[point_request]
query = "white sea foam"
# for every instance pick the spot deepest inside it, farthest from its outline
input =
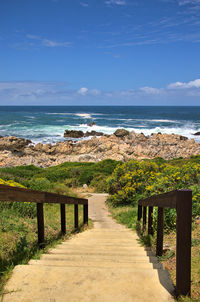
(31, 117)
(149, 120)
(144, 120)
(164, 121)
(84, 115)
(188, 132)
(59, 113)
(54, 133)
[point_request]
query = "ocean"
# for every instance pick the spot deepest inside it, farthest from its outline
(47, 124)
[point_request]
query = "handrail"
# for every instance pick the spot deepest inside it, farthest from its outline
(15, 194)
(181, 200)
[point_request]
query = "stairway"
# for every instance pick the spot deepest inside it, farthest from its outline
(104, 264)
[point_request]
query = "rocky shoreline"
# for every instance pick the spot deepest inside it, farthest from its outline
(122, 145)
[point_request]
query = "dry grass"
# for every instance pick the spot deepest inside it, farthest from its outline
(170, 264)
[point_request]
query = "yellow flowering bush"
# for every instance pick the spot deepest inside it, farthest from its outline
(11, 183)
(23, 208)
(135, 180)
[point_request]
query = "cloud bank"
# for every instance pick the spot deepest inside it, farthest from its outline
(58, 93)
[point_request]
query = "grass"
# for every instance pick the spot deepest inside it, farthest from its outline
(18, 236)
(124, 214)
(170, 262)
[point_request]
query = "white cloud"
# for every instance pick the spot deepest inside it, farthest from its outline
(95, 92)
(114, 55)
(151, 90)
(33, 37)
(84, 4)
(187, 85)
(83, 91)
(29, 91)
(47, 42)
(129, 93)
(185, 2)
(50, 43)
(115, 2)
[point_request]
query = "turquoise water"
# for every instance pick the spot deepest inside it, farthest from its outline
(47, 124)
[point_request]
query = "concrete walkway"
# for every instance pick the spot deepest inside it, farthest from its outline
(104, 264)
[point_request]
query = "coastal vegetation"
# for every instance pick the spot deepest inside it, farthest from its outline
(135, 180)
(126, 183)
(18, 229)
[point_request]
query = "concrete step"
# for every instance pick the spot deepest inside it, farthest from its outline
(98, 257)
(102, 243)
(104, 264)
(61, 284)
(102, 249)
(88, 252)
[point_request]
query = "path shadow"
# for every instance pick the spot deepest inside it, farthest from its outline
(163, 274)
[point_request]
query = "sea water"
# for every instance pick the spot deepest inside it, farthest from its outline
(47, 124)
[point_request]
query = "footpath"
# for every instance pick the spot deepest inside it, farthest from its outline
(103, 264)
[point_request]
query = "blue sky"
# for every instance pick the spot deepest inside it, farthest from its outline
(100, 52)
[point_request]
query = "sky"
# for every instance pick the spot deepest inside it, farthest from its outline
(100, 52)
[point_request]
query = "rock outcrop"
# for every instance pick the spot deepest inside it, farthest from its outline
(80, 134)
(17, 151)
(121, 132)
(93, 133)
(73, 133)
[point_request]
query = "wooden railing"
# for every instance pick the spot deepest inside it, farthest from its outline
(181, 200)
(11, 194)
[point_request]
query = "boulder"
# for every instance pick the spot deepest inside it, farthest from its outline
(74, 133)
(121, 132)
(91, 124)
(13, 144)
(197, 133)
(39, 147)
(184, 138)
(93, 133)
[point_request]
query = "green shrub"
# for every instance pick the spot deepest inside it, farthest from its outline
(40, 184)
(136, 180)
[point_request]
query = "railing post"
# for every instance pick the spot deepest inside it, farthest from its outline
(183, 242)
(150, 221)
(40, 224)
(85, 214)
(76, 216)
(63, 218)
(160, 225)
(144, 218)
(139, 213)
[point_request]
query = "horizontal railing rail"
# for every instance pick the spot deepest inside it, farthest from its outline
(181, 200)
(15, 194)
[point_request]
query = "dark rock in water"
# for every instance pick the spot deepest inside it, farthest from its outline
(183, 138)
(91, 124)
(74, 133)
(121, 132)
(93, 133)
(197, 133)
(80, 134)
